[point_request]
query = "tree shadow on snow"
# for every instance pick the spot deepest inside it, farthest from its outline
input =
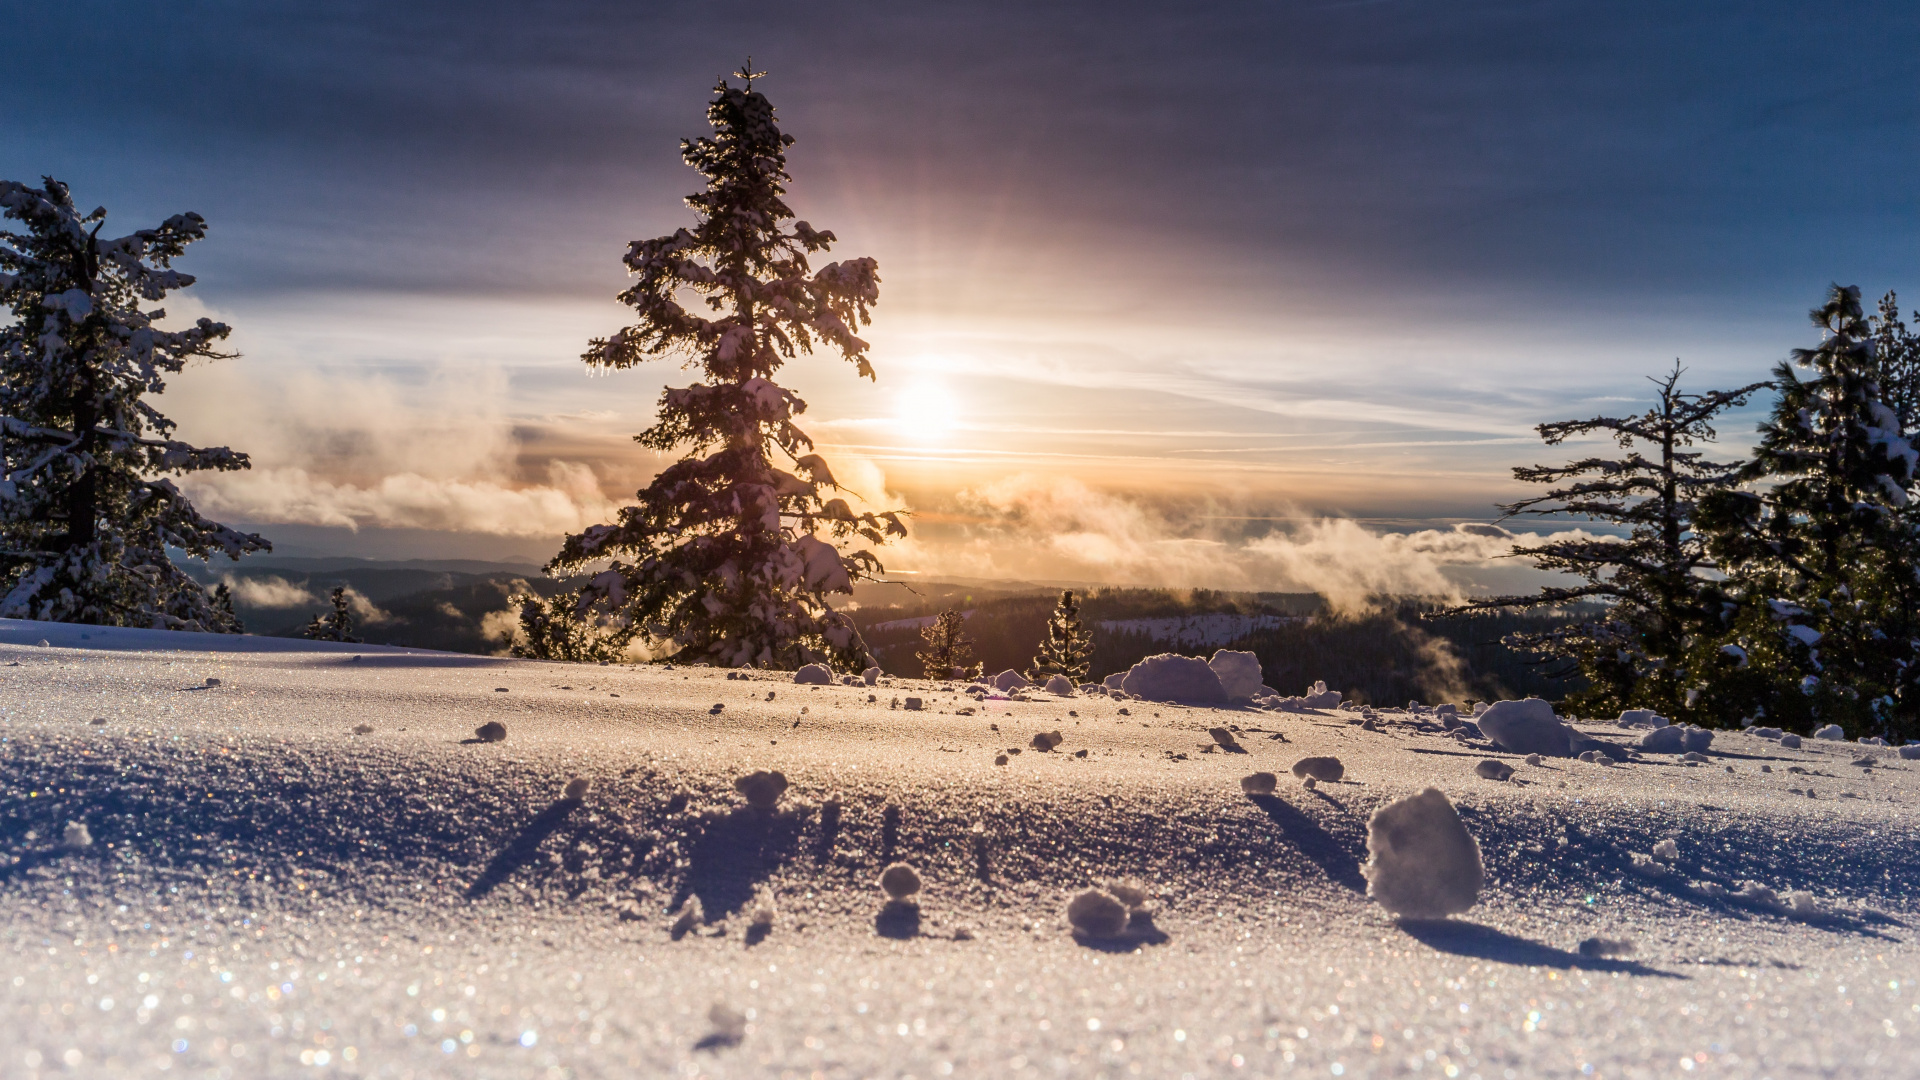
(1316, 843)
(736, 852)
(522, 848)
(1485, 943)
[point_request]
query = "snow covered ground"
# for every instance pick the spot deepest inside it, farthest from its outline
(267, 892)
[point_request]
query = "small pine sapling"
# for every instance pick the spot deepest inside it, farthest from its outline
(949, 651)
(89, 514)
(723, 561)
(336, 625)
(1068, 648)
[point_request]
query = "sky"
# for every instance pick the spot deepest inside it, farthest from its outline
(1243, 295)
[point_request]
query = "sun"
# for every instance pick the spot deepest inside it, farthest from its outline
(924, 412)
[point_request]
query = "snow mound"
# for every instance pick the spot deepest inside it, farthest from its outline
(1791, 742)
(1642, 718)
(1526, 727)
(1911, 752)
(1319, 697)
(1320, 768)
(1171, 677)
(814, 675)
(1684, 738)
(1097, 914)
(899, 881)
(1260, 783)
(577, 789)
(1239, 673)
(870, 676)
(491, 731)
(1421, 861)
(1832, 733)
(1060, 686)
(1113, 681)
(1010, 680)
(762, 789)
(1493, 770)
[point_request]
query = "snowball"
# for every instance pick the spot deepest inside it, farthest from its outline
(1696, 739)
(1493, 770)
(1131, 893)
(1224, 738)
(762, 789)
(1320, 768)
(870, 676)
(814, 674)
(1009, 680)
(1667, 850)
(1238, 672)
(1097, 914)
(1171, 677)
(1791, 742)
(1260, 783)
(1421, 861)
(729, 1024)
(899, 881)
(1060, 686)
(577, 788)
(1047, 740)
(1526, 727)
(1596, 947)
(1535, 759)
(1831, 732)
(76, 836)
(1480, 707)
(491, 731)
(912, 704)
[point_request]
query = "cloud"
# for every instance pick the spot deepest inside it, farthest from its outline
(568, 502)
(1054, 527)
(268, 592)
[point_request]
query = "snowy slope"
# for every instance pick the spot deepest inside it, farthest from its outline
(268, 893)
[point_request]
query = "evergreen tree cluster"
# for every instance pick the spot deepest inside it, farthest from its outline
(1783, 589)
(335, 625)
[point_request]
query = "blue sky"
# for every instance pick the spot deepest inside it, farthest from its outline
(1225, 266)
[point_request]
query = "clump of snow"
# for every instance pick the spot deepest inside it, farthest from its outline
(1832, 733)
(1171, 677)
(1911, 752)
(1526, 727)
(899, 881)
(1010, 680)
(1667, 850)
(1597, 947)
(1097, 914)
(1479, 708)
(1319, 697)
(1421, 861)
(1766, 732)
(1129, 892)
(913, 704)
(358, 729)
(491, 731)
(1046, 741)
(729, 1025)
(1696, 757)
(1493, 770)
(1535, 759)
(1642, 718)
(999, 759)
(814, 675)
(1239, 673)
(76, 836)
(760, 922)
(691, 916)
(1802, 905)
(1683, 738)
(1309, 783)
(1260, 783)
(870, 676)
(1791, 742)
(1060, 686)
(1320, 768)
(1225, 740)
(1113, 681)
(762, 789)
(577, 789)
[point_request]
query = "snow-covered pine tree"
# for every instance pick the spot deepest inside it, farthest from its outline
(1896, 363)
(87, 512)
(336, 625)
(727, 564)
(554, 629)
(949, 651)
(1821, 549)
(1655, 584)
(1068, 648)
